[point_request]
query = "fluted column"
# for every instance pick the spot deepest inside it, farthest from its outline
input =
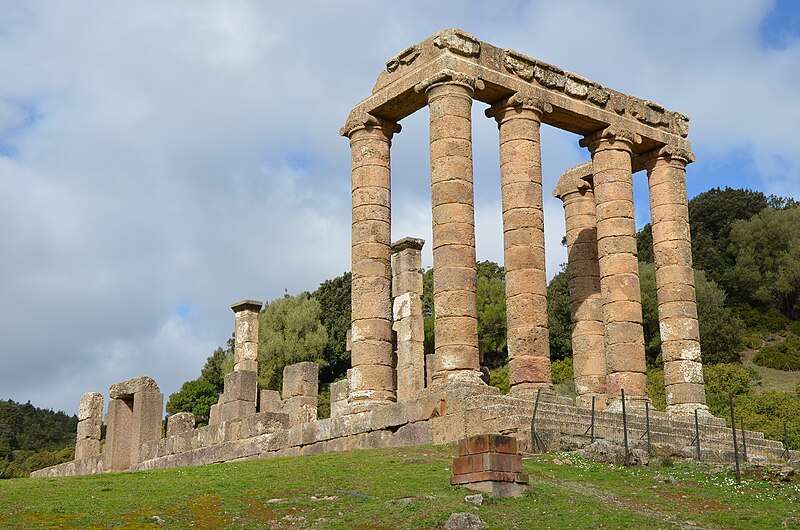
(619, 267)
(454, 269)
(677, 309)
(372, 375)
(518, 119)
(585, 299)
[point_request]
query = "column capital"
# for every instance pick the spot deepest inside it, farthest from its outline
(449, 77)
(670, 153)
(245, 305)
(358, 121)
(579, 179)
(519, 106)
(612, 137)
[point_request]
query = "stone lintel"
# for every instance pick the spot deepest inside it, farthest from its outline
(126, 389)
(413, 243)
(245, 305)
(579, 105)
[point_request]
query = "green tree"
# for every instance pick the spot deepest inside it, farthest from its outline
(644, 244)
(767, 259)
(196, 397)
(711, 215)
(290, 332)
(720, 329)
(217, 365)
(334, 302)
(558, 316)
(491, 304)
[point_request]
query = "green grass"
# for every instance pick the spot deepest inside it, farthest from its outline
(406, 488)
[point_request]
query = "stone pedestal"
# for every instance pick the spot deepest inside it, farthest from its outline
(677, 309)
(586, 301)
(518, 120)
(489, 463)
(300, 389)
(408, 323)
(454, 267)
(619, 266)
(371, 331)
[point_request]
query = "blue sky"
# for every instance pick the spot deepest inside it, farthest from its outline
(159, 161)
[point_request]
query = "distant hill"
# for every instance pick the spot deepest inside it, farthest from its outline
(32, 438)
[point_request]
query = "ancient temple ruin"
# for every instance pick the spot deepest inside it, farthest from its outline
(396, 395)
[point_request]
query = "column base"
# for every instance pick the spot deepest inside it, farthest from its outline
(458, 377)
(687, 409)
(635, 404)
(585, 401)
(529, 390)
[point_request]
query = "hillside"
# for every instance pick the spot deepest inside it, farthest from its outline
(399, 488)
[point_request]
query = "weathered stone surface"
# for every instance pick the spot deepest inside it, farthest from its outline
(180, 422)
(301, 409)
(130, 387)
(235, 409)
(91, 406)
(300, 379)
(270, 401)
(240, 386)
(89, 428)
(463, 521)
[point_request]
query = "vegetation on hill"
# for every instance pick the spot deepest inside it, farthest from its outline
(32, 438)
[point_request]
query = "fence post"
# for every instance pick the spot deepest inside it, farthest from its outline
(735, 445)
(744, 441)
(786, 440)
(593, 398)
(697, 434)
(647, 426)
(536, 442)
(625, 429)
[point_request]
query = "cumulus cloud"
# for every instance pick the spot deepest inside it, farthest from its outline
(161, 161)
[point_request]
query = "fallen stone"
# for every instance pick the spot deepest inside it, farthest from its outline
(476, 499)
(464, 521)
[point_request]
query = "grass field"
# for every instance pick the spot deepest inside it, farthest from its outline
(397, 488)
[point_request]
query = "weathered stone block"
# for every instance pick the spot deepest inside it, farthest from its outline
(487, 443)
(89, 428)
(301, 379)
(270, 401)
(301, 409)
(132, 386)
(241, 386)
(86, 448)
(215, 414)
(180, 422)
(233, 410)
(91, 407)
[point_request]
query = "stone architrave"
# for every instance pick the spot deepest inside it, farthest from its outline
(449, 96)
(245, 335)
(408, 322)
(677, 309)
(372, 358)
(134, 417)
(619, 266)
(586, 302)
(90, 421)
(518, 119)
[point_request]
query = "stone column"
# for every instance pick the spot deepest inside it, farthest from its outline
(372, 358)
(619, 267)
(583, 270)
(677, 309)
(454, 269)
(90, 421)
(518, 119)
(245, 335)
(408, 325)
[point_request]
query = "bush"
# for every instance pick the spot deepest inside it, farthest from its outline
(781, 356)
(563, 378)
(768, 412)
(498, 377)
(724, 379)
(655, 388)
(769, 321)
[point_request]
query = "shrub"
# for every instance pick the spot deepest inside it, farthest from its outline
(781, 356)
(724, 379)
(499, 377)
(562, 371)
(655, 388)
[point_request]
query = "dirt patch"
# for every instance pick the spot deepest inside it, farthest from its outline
(258, 511)
(695, 506)
(205, 512)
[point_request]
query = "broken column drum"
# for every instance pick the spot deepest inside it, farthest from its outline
(446, 73)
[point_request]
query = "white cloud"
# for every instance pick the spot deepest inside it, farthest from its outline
(187, 154)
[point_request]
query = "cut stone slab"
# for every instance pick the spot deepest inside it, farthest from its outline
(132, 386)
